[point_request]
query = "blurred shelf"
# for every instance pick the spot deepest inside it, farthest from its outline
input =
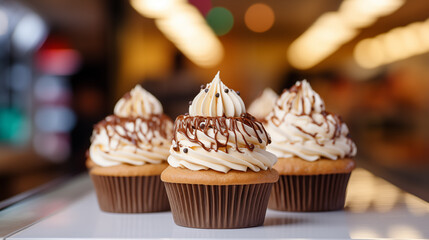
(17, 159)
(374, 209)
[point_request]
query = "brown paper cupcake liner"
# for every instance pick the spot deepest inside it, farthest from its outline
(309, 193)
(218, 206)
(137, 194)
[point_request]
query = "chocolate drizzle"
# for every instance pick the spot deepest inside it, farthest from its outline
(329, 119)
(335, 121)
(289, 104)
(313, 135)
(139, 136)
(189, 126)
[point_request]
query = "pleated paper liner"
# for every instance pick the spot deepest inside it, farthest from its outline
(309, 193)
(139, 194)
(218, 206)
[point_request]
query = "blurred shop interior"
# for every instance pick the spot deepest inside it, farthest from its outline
(64, 64)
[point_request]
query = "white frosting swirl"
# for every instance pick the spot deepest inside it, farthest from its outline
(264, 104)
(137, 134)
(219, 134)
(138, 103)
(300, 126)
(134, 142)
(227, 103)
(237, 156)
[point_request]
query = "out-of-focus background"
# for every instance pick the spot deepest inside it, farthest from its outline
(64, 64)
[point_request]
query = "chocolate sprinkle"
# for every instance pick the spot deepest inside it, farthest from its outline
(238, 93)
(217, 95)
(203, 86)
(185, 150)
(226, 90)
(206, 90)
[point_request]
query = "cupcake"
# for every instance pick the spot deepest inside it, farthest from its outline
(128, 152)
(314, 153)
(264, 104)
(220, 175)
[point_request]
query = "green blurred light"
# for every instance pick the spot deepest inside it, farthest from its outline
(220, 20)
(14, 127)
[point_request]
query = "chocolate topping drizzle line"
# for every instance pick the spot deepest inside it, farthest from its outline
(189, 126)
(337, 122)
(155, 123)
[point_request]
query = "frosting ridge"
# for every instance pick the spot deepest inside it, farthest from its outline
(217, 100)
(218, 134)
(221, 144)
(137, 134)
(137, 103)
(300, 126)
(132, 141)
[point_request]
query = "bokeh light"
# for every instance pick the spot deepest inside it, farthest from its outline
(156, 8)
(183, 24)
(220, 20)
(259, 17)
(4, 22)
(203, 6)
(397, 44)
(187, 29)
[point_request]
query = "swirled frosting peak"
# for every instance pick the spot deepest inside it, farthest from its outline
(137, 133)
(264, 104)
(219, 135)
(216, 100)
(301, 99)
(138, 103)
(300, 126)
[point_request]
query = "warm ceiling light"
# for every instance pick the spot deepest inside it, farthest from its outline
(191, 35)
(323, 38)
(331, 30)
(184, 25)
(369, 54)
(399, 43)
(156, 8)
(259, 17)
(363, 13)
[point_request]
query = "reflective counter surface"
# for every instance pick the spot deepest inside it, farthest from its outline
(374, 209)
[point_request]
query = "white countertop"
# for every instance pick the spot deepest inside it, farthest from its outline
(374, 209)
